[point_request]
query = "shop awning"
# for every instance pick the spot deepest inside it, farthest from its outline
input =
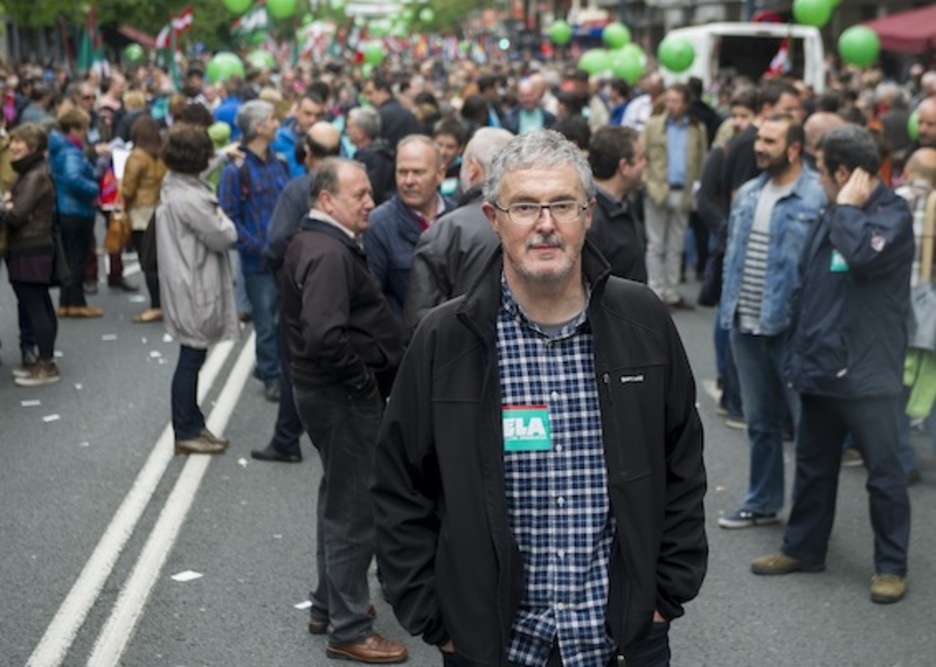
(913, 31)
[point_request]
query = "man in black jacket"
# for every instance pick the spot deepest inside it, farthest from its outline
(396, 121)
(539, 476)
(344, 342)
(617, 160)
(847, 356)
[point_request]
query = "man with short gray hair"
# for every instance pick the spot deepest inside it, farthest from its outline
(248, 192)
(539, 476)
(363, 130)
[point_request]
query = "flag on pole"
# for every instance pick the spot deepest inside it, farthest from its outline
(91, 50)
(780, 64)
(184, 20)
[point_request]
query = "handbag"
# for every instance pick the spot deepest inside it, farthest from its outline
(61, 274)
(118, 232)
(148, 258)
(921, 328)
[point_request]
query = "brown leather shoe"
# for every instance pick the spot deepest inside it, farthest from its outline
(318, 627)
(85, 311)
(199, 445)
(373, 650)
(64, 311)
(149, 315)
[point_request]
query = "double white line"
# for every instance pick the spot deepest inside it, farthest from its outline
(59, 636)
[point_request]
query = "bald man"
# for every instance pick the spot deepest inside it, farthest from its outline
(927, 123)
(529, 114)
(815, 128)
(320, 141)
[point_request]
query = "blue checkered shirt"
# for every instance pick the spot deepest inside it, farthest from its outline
(557, 500)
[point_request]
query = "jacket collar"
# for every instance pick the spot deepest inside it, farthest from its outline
(317, 221)
(478, 309)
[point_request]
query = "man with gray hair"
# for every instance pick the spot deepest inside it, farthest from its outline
(363, 130)
(539, 476)
(248, 192)
(846, 361)
(451, 254)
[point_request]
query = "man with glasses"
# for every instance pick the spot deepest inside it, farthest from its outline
(539, 477)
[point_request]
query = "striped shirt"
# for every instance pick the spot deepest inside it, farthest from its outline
(557, 497)
(756, 258)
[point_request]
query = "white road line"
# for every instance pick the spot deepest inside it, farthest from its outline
(70, 616)
(128, 609)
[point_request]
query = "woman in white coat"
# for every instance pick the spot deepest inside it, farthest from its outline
(196, 286)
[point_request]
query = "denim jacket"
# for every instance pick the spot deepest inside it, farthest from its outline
(791, 219)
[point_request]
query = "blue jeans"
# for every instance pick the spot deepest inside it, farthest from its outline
(345, 433)
(727, 372)
(823, 424)
(760, 361)
(187, 417)
(263, 293)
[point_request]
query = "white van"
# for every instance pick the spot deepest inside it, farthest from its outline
(749, 48)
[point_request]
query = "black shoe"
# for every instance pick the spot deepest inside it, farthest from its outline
(271, 391)
(270, 453)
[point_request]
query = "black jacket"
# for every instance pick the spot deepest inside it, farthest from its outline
(449, 258)
(379, 160)
(291, 209)
(396, 122)
(339, 326)
(619, 237)
(449, 560)
(850, 326)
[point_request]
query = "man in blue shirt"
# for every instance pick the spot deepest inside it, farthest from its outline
(248, 193)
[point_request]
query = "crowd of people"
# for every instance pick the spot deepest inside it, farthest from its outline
(560, 219)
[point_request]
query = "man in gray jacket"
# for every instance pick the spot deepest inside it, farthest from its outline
(451, 254)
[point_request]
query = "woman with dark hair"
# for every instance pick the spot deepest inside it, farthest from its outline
(196, 286)
(27, 215)
(76, 193)
(143, 176)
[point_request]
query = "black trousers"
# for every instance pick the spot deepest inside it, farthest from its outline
(152, 279)
(34, 301)
(76, 240)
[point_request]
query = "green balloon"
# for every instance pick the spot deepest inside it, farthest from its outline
(236, 6)
(859, 45)
(560, 32)
(220, 133)
(408, 15)
(338, 6)
(594, 61)
(373, 53)
(307, 19)
(812, 12)
(367, 70)
(261, 60)
(629, 63)
(281, 9)
(913, 125)
(223, 66)
(379, 29)
(616, 35)
(256, 38)
(426, 15)
(133, 53)
(676, 54)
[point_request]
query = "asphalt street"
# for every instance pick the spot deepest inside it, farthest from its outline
(98, 518)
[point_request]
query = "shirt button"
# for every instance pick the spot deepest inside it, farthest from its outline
(561, 606)
(554, 396)
(560, 501)
(561, 553)
(558, 448)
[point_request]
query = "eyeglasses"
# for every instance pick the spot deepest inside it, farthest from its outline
(527, 213)
(88, 98)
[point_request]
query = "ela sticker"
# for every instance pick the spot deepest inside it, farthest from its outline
(837, 263)
(526, 428)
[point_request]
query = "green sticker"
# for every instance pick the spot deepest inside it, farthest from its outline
(526, 428)
(838, 263)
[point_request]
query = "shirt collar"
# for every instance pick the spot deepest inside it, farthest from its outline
(321, 216)
(513, 309)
